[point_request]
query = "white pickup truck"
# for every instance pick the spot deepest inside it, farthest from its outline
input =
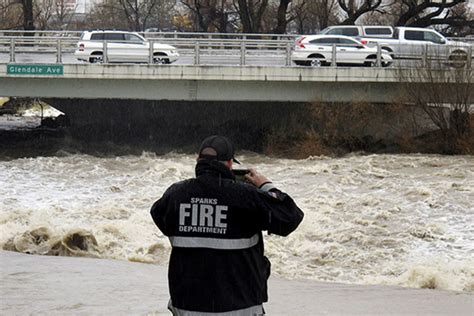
(413, 42)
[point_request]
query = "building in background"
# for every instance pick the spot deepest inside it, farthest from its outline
(85, 6)
(79, 6)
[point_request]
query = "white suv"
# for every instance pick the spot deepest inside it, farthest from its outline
(122, 47)
(317, 50)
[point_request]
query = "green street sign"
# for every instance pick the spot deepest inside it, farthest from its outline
(42, 70)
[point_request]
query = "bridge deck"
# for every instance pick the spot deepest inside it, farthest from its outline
(204, 82)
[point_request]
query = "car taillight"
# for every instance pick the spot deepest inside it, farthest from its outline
(363, 41)
(299, 42)
(81, 47)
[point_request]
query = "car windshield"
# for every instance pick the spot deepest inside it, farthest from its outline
(324, 31)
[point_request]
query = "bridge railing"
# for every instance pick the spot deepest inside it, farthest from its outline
(177, 35)
(49, 46)
(158, 35)
(224, 51)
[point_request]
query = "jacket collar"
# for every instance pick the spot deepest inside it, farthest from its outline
(213, 169)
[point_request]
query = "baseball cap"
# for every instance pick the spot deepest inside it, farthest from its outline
(217, 148)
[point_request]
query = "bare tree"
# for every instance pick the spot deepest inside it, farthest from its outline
(28, 21)
(447, 97)
(251, 14)
(354, 9)
(53, 14)
(162, 15)
(313, 15)
(134, 15)
(454, 18)
(44, 13)
(431, 12)
(108, 14)
(11, 15)
(63, 14)
(211, 14)
(461, 12)
(302, 15)
(138, 12)
(281, 17)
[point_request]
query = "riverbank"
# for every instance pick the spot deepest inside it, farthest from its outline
(69, 286)
(290, 130)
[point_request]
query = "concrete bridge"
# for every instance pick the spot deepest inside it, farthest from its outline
(214, 83)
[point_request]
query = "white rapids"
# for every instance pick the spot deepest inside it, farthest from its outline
(369, 219)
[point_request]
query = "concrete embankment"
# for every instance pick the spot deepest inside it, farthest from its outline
(40, 285)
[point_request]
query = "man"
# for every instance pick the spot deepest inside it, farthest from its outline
(215, 223)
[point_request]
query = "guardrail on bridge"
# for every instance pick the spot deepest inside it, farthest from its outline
(201, 49)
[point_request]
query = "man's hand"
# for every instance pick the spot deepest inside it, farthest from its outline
(257, 179)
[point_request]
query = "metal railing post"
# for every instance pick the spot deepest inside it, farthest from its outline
(59, 56)
(378, 63)
(150, 53)
(333, 57)
(424, 56)
(242, 53)
(12, 50)
(105, 54)
(197, 58)
(469, 58)
(288, 54)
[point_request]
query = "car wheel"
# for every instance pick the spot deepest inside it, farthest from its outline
(369, 63)
(316, 62)
(386, 63)
(160, 60)
(96, 58)
(458, 59)
(389, 51)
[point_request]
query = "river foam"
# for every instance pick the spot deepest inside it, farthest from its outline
(377, 219)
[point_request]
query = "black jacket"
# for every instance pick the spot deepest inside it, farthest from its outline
(215, 226)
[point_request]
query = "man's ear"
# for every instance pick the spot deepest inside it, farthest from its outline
(228, 164)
